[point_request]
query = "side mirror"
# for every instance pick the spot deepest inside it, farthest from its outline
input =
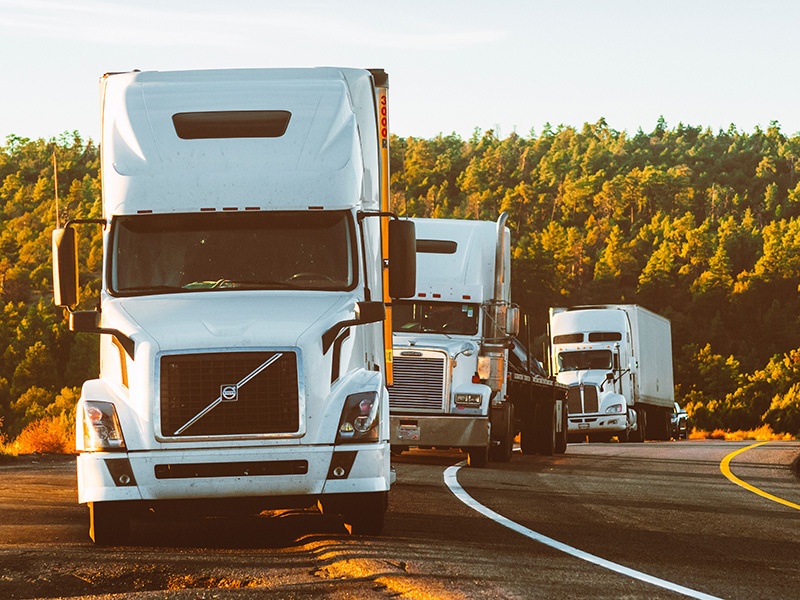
(370, 312)
(402, 259)
(65, 267)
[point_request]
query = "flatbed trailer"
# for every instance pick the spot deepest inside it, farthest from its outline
(540, 411)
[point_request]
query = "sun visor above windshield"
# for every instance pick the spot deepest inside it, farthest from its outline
(272, 139)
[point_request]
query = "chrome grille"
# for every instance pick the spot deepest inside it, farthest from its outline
(266, 403)
(589, 399)
(581, 405)
(419, 383)
(574, 400)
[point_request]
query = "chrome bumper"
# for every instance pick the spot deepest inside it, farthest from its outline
(439, 430)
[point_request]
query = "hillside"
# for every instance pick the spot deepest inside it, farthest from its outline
(700, 226)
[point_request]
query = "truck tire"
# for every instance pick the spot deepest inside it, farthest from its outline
(546, 430)
(641, 426)
(503, 451)
(366, 514)
(527, 435)
(561, 438)
(658, 424)
(477, 456)
(109, 523)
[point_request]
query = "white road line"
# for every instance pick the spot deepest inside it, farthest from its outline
(451, 480)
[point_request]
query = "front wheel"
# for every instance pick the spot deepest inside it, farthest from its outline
(641, 426)
(109, 523)
(477, 456)
(366, 513)
(547, 418)
(561, 438)
(527, 435)
(503, 451)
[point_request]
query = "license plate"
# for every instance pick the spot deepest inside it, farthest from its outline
(583, 426)
(408, 432)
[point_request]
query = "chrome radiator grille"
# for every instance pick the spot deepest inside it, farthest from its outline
(252, 392)
(582, 399)
(419, 383)
(574, 400)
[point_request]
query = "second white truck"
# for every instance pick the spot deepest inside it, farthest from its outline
(461, 378)
(617, 362)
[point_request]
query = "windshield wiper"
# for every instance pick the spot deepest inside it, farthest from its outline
(150, 288)
(234, 284)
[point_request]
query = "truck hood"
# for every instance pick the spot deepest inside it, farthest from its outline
(595, 377)
(228, 319)
(452, 345)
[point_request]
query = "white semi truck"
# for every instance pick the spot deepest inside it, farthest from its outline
(617, 362)
(462, 380)
(243, 355)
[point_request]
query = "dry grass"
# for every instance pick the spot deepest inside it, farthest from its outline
(763, 433)
(49, 434)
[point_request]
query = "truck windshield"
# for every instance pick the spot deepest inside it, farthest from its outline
(582, 360)
(156, 254)
(454, 318)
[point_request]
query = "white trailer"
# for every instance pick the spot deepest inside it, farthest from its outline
(461, 378)
(617, 362)
(242, 347)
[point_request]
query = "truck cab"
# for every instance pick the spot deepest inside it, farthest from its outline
(592, 354)
(242, 348)
(451, 341)
(617, 361)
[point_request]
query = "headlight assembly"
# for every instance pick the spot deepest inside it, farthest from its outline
(359, 422)
(468, 399)
(101, 429)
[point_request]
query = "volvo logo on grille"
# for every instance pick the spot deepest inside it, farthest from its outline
(229, 393)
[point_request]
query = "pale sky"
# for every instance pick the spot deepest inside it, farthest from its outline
(508, 65)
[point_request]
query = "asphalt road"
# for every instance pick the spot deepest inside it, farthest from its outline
(632, 521)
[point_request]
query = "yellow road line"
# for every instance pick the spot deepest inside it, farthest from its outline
(724, 466)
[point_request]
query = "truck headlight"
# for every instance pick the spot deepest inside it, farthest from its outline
(359, 422)
(468, 399)
(101, 429)
(615, 408)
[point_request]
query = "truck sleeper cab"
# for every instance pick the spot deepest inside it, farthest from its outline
(242, 354)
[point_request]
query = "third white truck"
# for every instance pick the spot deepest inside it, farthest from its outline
(617, 362)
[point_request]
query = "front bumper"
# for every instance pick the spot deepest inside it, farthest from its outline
(597, 423)
(439, 430)
(233, 473)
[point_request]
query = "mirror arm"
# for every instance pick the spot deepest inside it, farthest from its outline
(329, 336)
(363, 215)
(79, 321)
(125, 341)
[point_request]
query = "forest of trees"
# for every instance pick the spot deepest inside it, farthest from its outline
(702, 227)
